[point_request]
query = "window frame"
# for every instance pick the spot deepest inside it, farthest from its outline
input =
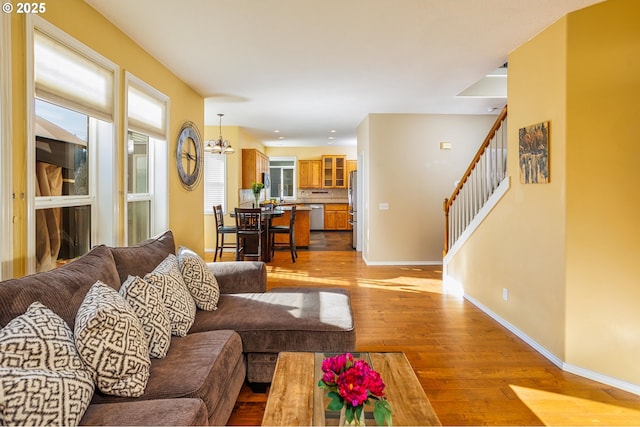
(103, 220)
(208, 205)
(158, 161)
(293, 159)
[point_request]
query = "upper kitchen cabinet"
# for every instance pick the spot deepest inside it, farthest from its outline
(254, 164)
(334, 171)
(310, 173)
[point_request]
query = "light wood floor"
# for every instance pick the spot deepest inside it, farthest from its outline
(474, 371)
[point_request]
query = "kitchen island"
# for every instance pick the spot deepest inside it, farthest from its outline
(302, 225)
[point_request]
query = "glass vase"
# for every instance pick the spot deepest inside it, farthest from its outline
(356, 421)
(256, 204)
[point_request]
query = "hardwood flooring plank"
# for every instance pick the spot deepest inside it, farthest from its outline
(473, 370)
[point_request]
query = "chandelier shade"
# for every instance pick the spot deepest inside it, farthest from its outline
(219, 146)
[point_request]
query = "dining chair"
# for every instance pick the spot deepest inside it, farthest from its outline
(249, 233)
(221, 231)
(283, 229)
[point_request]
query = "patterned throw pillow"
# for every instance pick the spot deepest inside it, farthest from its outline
(111, 342)
(147, 303)
(177, 299)
(42, 378)
(199, 279)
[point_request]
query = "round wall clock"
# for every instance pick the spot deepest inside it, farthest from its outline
(189, 155)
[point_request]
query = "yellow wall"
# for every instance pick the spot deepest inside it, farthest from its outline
(86, 25)
(603, 189)
(405, 167)
(568, 250)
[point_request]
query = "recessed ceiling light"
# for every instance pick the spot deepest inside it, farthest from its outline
(281, 137)
(276, 131)
(330, 137)
(333, 131)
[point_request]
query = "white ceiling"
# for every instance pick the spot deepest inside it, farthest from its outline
(310, 67)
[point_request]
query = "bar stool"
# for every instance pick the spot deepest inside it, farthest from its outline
(249, 232)
(283, 229)
(221, 230)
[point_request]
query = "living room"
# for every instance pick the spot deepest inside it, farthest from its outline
(566, 255)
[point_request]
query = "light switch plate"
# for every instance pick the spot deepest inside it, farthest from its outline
(383, 206)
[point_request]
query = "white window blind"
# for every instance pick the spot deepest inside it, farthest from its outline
(214, 181)
(146, 113)
(67, 78)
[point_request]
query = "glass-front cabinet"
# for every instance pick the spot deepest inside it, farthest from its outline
(334, 171)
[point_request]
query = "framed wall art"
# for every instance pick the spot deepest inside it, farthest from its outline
(533, 142)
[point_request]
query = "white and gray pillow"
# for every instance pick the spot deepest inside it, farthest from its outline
(43, 380)
(200, 281)
(146, 301)
(177, 298)
(111, 342)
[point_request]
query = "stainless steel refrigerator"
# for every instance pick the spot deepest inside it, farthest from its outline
(353, 207)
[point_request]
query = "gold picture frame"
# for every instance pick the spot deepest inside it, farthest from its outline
(533, 143)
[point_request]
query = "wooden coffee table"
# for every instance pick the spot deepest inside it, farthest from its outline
(296, 400)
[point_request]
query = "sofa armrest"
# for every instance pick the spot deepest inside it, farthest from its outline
(240, 276)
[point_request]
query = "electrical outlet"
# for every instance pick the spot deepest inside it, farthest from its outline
(505, 294)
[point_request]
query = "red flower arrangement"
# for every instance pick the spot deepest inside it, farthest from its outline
(351, 385)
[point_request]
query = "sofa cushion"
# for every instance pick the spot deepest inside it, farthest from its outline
(111, 342)
(200, 281)
(146, 301)
(42, 378)
(62, 290)
(285, 319)
(166, 277)
(142, 258)
(207, 365)
(161, 412)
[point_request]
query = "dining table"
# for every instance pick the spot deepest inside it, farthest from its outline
(266, 215)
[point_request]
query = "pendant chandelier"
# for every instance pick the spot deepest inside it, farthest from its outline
(221, 146)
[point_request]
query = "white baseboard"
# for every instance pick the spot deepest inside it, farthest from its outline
(454, 287)
(439, 262)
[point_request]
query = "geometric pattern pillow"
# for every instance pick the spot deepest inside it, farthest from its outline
(111, 342)
(146, 301)
(42, 378)
(199, 279)
(177, 299)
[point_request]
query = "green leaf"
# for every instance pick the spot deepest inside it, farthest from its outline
(348, 414)
(358, 411)
(382, 412)
(335, 404)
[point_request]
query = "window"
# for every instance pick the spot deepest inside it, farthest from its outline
(146, 166)
(215, 172)
(70, 145)
(283, 177)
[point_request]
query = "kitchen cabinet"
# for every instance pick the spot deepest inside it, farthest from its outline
(334, 171)
(336, 216)
(254, 164)
(310, 173)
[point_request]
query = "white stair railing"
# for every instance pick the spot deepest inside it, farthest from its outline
(481, 179)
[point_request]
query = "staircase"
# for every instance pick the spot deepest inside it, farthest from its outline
(479, 185)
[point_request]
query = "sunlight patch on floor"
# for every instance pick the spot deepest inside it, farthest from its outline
(559, 409)
(304, 277)
(404, 284)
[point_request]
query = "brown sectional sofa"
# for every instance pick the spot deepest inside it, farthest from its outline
(198, 382)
